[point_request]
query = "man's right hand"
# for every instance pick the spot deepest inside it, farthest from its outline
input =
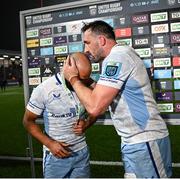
(59, 149)
(69, 69)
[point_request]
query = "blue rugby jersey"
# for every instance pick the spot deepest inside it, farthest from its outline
(134, 111)
(61, 110)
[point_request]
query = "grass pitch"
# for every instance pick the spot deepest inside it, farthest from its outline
(103, 142)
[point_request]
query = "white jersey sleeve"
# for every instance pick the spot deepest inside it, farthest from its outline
(36, 102)
(116, 68)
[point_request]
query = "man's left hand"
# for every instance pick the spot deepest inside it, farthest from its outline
(80, 127)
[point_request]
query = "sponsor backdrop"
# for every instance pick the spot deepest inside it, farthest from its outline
(152, 27)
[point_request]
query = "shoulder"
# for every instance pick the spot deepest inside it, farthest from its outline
(118, 53)
(46, 84)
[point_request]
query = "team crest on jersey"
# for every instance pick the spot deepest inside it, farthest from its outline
(112, 69)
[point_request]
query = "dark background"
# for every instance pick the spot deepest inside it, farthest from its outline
(10, 23)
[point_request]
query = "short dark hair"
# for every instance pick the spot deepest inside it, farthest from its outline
(99, 27)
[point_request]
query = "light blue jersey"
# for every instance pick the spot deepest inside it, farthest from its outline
(61, 110)
(146, 151)
(134, 110)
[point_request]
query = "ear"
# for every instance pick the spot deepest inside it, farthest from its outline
(102, 40)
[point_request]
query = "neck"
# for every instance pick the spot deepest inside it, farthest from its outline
(109, 46)
(68, 85)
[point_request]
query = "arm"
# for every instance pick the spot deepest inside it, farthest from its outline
(58, 149)
(95, 101)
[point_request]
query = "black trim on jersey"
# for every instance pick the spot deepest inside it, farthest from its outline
(58, 79)
(68, 85)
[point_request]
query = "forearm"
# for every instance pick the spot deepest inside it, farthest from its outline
(84, 93)
(95, 101)
(35, 130)
(90, 121)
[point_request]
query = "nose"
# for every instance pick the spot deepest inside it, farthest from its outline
(86, 50)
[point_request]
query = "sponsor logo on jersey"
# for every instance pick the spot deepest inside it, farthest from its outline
(175, 27)
(32, 43)
(158, 17)
(167, 107)
(143, 52)
(112, 69)
(34, 71)
(70, 114)
(123, 32)
(32, 33)
(160, 28)
(176, 61)
(176, 73)
(46, 51)
(45, 31)
(140, 19)
(124, 42)
(162, 62)
(34, 81)
(60, 49)
(46, 41)
(161, 74)
(164, 96)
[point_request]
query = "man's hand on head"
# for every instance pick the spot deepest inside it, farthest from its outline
(70, 69)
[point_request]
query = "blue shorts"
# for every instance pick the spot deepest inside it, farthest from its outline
(75, 166)
(147, 160)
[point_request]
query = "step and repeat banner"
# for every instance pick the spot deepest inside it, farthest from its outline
(151, 27)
